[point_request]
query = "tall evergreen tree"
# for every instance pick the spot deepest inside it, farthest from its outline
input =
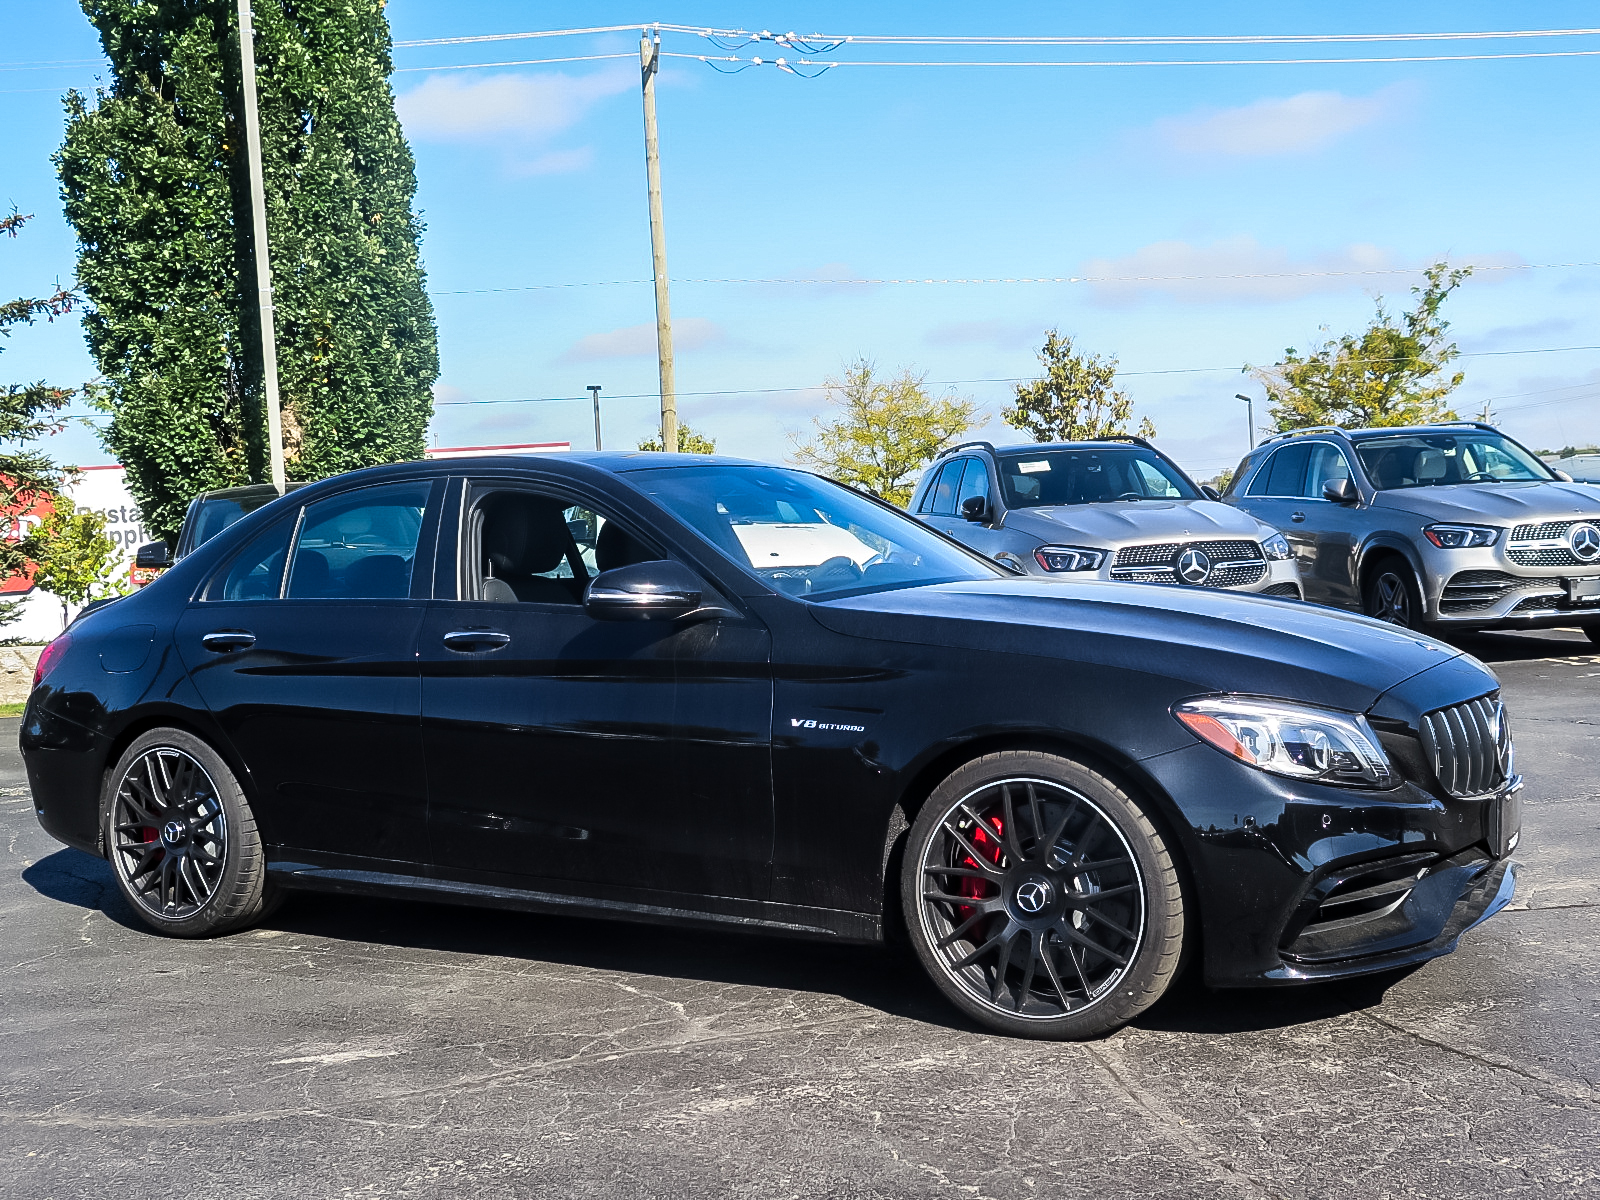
(154, 181)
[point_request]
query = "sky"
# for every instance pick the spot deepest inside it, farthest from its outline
(1214, 214)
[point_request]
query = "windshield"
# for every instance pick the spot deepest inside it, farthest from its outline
(1429, 459)
(806, 536)
(1052, 477)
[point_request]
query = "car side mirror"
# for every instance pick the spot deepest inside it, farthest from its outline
(1209, 492)
(649, 591)
(975, 508)
(1340, 491)
(153, 556)
(1563, 476)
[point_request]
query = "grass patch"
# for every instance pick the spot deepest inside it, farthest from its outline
(12, 710)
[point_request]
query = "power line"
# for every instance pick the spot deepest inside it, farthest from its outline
(521, 62)
(808, 63)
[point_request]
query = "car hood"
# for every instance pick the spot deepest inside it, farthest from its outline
(1207, 641)
(1499, 502)
(1120, 522)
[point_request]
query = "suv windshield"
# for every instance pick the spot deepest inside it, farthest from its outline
(1429, 459)
(1052, 477)
(804, 535)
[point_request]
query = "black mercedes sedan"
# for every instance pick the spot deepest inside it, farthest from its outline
(706, 692)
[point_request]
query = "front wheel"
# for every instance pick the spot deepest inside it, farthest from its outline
(182, 839)
(1391, 595)
(1041, 898)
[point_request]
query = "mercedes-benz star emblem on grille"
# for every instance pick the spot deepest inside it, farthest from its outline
(1194, 565)
(1583, 539)
(1031, 896)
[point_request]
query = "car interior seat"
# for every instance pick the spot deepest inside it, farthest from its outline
(377, 577)
(616, 547)
(311, 576)
(1431, 467)
(525, 537)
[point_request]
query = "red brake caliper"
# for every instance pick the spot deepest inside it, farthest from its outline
(988, 844)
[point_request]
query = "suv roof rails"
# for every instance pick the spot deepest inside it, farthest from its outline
(1123, 437)
(1484, 425)
(956, 449)
(1293, 433)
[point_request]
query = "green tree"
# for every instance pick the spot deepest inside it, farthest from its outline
(154, 181)
(27, 412)
(886, 431)
(1393, 373)
(77, 561)
(690, 441)
(1074, 400)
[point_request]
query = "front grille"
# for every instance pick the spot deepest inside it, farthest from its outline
(1468, 746)
(1546, 531)
(1228, 575)
(1542, 556)
(1469, 590)
(1544, 544)
(1538, 603)
(1164, 552)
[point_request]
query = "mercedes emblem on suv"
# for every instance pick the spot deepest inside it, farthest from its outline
(1584, 541)
(1194, 565)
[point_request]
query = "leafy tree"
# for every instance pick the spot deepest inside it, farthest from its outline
(1391, 374)
(690, 441)
(27, 412)
(886, 430)
(1074, 400)
(154, 181)
(77, 560)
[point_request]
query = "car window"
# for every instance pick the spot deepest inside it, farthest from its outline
(847, 543)
(974, 482)
(360, 545)
(525, 546)
(256, 572)
(1431, 459)
(1089, 476)
(1327, 463)
(1284, 474)
(941, 497)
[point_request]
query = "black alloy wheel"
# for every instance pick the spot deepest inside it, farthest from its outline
(181, 838)
(1040, 898)
(1391, 595)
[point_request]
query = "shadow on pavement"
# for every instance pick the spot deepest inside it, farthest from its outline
(889, 981)
(1522, 647)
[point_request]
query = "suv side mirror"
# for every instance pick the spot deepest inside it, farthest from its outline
(975, 508)
(1563, 476)
(153, 556)
(649, 591)
(1340, 491)
(1209, 492)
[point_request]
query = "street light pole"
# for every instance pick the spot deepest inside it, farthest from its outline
(1250, 415)
(594, 390)
(258, 226)
(649, 63)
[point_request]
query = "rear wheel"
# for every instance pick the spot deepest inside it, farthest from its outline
(1391, 594)
(182, 839)
(1040, 897)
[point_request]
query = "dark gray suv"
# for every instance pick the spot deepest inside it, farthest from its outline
(1449, 526)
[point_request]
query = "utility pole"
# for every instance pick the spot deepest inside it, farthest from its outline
(258, 223)
(649, 62)
(594, 390)
(1250, 415)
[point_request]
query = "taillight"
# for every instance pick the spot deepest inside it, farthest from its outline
(49, 656)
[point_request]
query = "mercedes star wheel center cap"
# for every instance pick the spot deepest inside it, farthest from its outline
(1033, 895)
(172, 833)
(1194, 565)
(1584, 540)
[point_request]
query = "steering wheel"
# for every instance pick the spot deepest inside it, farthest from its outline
(1477, 475)
(839, 571)
(1130, 496)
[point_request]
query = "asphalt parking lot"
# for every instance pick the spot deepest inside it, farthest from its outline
(365, 1048)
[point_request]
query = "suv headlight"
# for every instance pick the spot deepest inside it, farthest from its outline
(1459, 537)
(1276, 547)
(1291, 739)
(1069, 558)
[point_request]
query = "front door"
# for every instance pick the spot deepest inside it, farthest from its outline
(634, 754)
(312, 673)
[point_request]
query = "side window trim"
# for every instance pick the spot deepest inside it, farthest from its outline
(1313, 487)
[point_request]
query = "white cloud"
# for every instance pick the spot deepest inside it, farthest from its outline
(1287, 125)
(556, 162)
(639, 341)
(455, 108)
(1003, 335)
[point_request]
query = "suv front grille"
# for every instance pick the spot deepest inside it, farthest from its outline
(1469, 746)
(1163, 553)
(1545, 544)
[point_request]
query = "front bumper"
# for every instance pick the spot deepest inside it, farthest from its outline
(1299, 881)
(1485, 589)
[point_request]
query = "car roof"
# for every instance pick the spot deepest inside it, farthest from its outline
(248, 491)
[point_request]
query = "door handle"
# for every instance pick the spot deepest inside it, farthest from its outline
(224, 640)
(1297, 516)
(469, 641)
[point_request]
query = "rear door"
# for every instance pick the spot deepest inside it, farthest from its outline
(312, 671)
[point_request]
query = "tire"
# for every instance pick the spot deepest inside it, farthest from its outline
(1390, 594)
(181, 838)
(999, 886)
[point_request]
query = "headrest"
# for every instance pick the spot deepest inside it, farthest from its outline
(616, 547)
(523, 535)
(1431, 464)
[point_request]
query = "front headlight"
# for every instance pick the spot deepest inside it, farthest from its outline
(1276, 547)
(1291, 739)
(1459, 537)
(1069, 558)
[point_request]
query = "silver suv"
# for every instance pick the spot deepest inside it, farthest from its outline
(1450, 526)
(1116, 509)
